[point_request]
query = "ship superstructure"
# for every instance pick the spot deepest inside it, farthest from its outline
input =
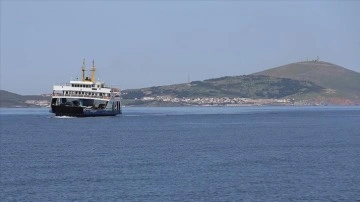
(86, 97)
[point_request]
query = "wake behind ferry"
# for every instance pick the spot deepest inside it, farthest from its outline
(86, 97)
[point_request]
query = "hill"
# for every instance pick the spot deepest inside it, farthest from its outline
(9, 99)
(338, 81)
(310, 82)
(247, 86)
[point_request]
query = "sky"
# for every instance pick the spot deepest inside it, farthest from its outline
(139, 44)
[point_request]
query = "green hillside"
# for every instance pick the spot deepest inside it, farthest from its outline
(9, 99)
(337, 80)
(249, 86)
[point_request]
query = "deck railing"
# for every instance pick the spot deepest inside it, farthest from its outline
(77, 95)
(70, 85)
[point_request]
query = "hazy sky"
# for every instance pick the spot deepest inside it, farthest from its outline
(148, 43)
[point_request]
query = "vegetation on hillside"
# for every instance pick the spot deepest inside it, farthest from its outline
(249, 86)
(9, 99)
(337, 81)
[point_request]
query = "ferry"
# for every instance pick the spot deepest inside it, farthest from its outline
(85, 97)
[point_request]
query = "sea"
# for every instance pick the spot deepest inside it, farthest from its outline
(182, 154)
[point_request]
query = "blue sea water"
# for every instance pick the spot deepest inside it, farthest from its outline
(182, 154)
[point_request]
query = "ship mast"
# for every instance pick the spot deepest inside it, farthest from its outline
(83, 70)
(93, 71)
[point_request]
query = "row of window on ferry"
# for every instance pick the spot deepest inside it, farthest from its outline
(85, 93)
(87, 86)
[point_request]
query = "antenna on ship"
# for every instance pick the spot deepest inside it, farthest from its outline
(93, 71)
(83, 70)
